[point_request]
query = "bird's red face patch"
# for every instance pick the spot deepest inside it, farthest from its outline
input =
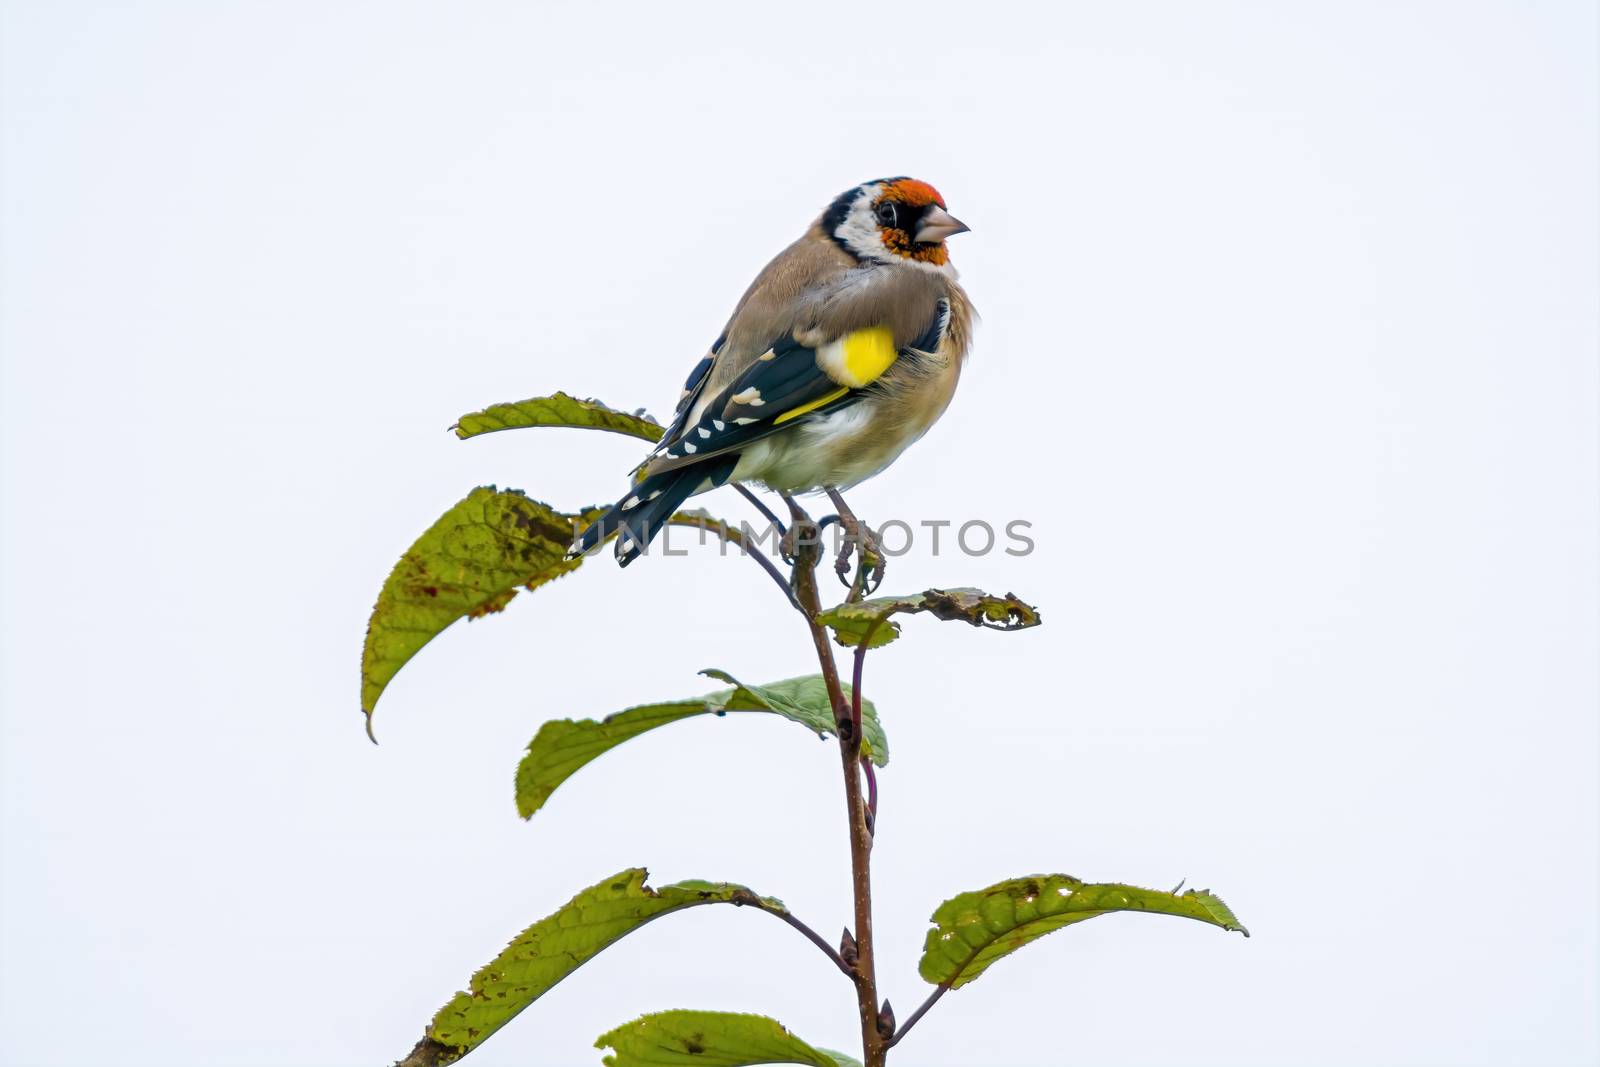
(912, 197)
(912, 192)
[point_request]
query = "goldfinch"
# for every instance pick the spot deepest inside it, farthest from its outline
(844, 350)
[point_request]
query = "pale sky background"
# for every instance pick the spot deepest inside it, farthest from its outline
(1288, 353)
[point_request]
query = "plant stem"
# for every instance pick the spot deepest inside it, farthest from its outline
(761, 506)
(816, 939)
(919, 1013)
(772, 570)
(846, 713)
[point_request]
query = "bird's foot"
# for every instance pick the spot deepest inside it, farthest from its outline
(859, 540)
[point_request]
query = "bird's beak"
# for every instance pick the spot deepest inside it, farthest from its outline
(937, 224)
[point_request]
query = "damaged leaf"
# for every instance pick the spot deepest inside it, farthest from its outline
(710, 1039)
(557, 410)
(469, 563)
(564, 746)
(554, 947)
(870, 618)
(472, 562)
(973, 930)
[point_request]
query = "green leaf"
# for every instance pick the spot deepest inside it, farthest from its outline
(564, 746)
(710, 1039)
(468, 564)
(557, 410)
(870, 618)
(805, 700)
(471, 563)
(973, 930)
(554, 947)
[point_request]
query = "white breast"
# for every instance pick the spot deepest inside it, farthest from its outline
(836, 450)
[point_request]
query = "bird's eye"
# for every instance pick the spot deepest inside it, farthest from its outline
(887, 214)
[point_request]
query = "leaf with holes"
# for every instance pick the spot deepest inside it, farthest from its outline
(471, 562)
(710, 1039)
(557, 410)
(870, 619)
(468, 564)
(557, 945)
(564, 746)
(970, 932)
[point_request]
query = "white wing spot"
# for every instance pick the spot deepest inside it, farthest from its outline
(704, 432)
(719, 424)
(766, 357)
(688, 446)
(745, 422)
(653, 495)
(630, 503)
(751, 396)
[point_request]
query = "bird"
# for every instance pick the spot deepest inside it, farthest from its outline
(844, 350)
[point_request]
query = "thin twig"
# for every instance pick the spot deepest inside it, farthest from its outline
(760, 506)
(828, 950)
(919, 1013)
(777, 575)
(728, 533)
(855, 721)
(856, 670)
(872, 795)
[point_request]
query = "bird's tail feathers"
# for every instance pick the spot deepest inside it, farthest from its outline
(637, 518)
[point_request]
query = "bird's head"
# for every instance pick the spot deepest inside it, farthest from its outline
(894, 220)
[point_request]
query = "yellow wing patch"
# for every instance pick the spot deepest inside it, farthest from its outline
(860, 357)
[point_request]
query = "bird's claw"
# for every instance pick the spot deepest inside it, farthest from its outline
(863, 542)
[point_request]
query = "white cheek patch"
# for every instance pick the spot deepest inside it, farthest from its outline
(859, 232)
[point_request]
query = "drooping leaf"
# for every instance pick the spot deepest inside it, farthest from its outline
(557, 410)
(471, 562)
(870, 618)
(805, 701)
(563, 746)
(710, 1039)
(557, 945)
(973, 930)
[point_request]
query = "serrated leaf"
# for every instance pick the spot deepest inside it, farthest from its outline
(970, 932)
(871, 618)
(557, 410)
(470, 563)
(710, 1039)
(554, 947)
(562, 747)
